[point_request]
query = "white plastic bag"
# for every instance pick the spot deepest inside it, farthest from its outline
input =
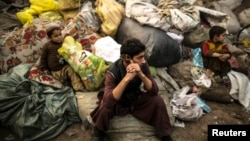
(107, 48)
(185, 107)
(200, 78)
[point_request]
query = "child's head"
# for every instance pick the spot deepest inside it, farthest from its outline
(54, 33)
(217, 33)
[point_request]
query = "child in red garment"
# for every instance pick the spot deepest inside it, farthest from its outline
(216, 54)
(52, 63)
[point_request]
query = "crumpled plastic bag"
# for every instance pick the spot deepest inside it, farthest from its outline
(36, 8)
(51, 16)
(88, 66)
(107, 48)
(200, 78)
(197, 57)
(185, 106)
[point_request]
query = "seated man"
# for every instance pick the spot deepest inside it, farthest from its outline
(123, 94)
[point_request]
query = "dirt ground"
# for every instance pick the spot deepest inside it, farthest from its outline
(222, 114)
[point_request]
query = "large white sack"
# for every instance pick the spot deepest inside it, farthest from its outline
(244, 17)
(231, 4)
(130, 2)
(233, 24)
(214, 17)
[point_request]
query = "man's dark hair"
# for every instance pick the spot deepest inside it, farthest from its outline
(132, 47)
(216, 30)
(51, 29)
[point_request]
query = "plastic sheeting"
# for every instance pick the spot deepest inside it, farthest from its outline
(35, 111)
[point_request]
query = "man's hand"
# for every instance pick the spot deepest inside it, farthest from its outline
(133, 67)
(132, 70)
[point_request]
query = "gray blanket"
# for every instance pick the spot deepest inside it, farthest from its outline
(35, 111)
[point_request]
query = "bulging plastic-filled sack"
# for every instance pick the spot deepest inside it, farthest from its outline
(110, 13)
(158, 43)
(89, 67)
